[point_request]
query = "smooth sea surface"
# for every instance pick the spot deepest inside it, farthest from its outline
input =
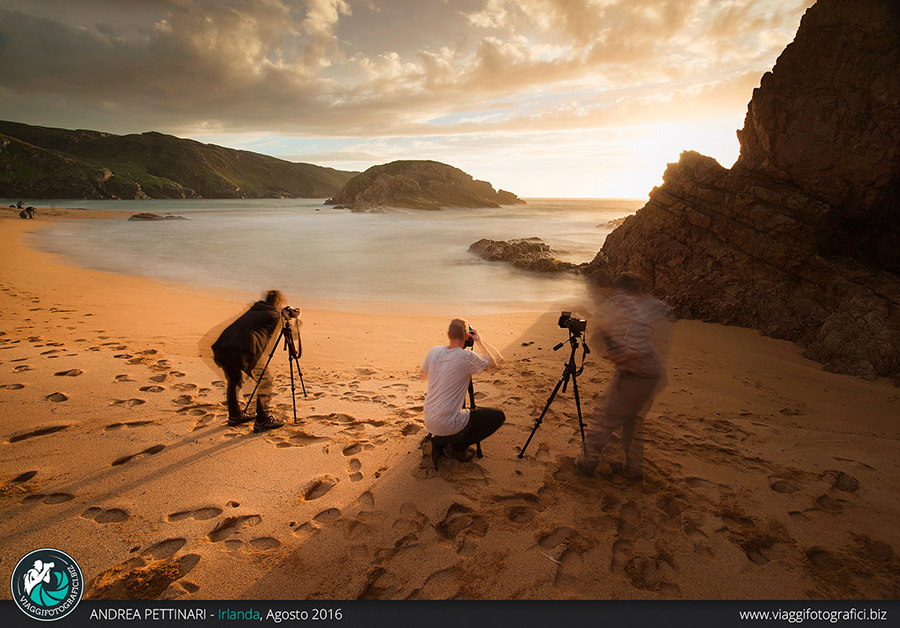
(310, 250)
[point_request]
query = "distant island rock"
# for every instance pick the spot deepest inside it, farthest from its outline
(526, 253)
(418, 185)
(149, 216)
(39, 162)
(801, 238)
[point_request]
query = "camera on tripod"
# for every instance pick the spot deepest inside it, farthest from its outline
(470, 338)
(288, 312)
(574, 325)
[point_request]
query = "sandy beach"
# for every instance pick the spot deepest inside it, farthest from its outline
(767, 477)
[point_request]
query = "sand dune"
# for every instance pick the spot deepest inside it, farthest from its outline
(767, 477)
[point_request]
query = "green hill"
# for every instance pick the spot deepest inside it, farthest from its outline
(39, 162)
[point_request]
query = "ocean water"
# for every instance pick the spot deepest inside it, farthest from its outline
(310, 250)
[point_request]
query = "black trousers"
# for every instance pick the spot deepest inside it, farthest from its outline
(482, 423)
(234, 377)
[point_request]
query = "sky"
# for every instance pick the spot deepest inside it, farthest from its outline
(544, 98)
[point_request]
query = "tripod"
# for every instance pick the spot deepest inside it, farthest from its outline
(569, 371)
(472, 407)
(293, 357)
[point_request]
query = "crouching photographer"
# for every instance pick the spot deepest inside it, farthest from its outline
(238, 350)
(449, 370)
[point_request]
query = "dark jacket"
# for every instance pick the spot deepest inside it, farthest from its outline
(243, 342)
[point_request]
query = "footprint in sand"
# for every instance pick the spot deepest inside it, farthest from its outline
(115, 426)
(23, 478)
(353, 470)
(784, 486)
(53, 498)
(553, 539)
(827, 503)
(39, 432)
(521, 513)
(69, 373)
(124, 378)
(232, 525)
(13, 386)
(318, 487)
(149, 452)
(411, 520)
(410, 429)
(201, 514)
(264, 544)
(352, 450)
(22, 369)
(302, 438)
(151, 577)
(128, 403)
(153, 389)
(165, 549)
(843, 482)
(458, 519)
(327, 516)
(101, 515)
(57, 397)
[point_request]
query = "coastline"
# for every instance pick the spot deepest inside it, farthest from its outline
(768, 478)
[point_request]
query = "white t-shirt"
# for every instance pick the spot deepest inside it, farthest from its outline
(449, 372)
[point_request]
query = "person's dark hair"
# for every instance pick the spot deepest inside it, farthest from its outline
(274, 297)
(629, 281)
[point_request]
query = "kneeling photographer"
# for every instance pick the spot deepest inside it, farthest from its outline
(449, 369)
(238, 350)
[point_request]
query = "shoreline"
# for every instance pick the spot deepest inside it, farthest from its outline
(768, 478)
(449, 308)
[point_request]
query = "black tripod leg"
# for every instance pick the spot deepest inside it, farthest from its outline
(300, 374)
(578, 403)
(263, 372)
(472, 407)
(540, 419)
(293, 401)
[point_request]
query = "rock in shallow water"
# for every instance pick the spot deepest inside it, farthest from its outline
(525, 253)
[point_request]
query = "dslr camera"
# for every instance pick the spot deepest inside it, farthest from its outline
(470, 338)
(574, 325)
(288, 312)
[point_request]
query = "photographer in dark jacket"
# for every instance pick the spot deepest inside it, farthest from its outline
(237, 351)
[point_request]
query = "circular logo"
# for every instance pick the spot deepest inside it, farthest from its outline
(47, 584)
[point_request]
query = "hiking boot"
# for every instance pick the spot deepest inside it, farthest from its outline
(264, 423)
(463, 455)
(242, 418)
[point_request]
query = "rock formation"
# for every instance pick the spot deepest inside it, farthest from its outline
(419, 185)
(526, 253)
(39, 162)
(801, 238)
(147, 216)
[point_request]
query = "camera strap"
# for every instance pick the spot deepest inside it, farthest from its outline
(584, 351)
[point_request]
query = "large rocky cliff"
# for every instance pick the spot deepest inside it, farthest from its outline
(419, 185)
(801, 238)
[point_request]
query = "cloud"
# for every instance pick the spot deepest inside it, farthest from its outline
(203, 66)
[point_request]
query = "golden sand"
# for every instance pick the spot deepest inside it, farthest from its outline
(767, 478)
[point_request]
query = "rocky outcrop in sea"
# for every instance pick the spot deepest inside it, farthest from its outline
(801, 238)
(525, 253)
(418, 185)
(148, 216)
